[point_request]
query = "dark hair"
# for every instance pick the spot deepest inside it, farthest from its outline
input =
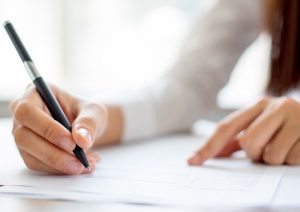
(284, 20)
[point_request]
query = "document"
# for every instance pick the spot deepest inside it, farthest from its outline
(156, 172)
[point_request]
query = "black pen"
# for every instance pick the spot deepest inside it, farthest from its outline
(42, 88)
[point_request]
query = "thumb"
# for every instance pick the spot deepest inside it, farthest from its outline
(83, 137)
(89, 123)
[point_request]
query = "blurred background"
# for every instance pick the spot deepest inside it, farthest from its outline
(96, 46)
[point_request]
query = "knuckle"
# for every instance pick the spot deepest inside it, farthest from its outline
(22, 109)
(244, 141)
(265, 100)
(252, 150)
(292, 160)
(87, 121)
(285, 103)
(272, 159)
(97, 107)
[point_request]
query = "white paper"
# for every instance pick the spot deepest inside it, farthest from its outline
(156, 172)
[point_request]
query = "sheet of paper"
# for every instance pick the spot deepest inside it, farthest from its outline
(155, 172)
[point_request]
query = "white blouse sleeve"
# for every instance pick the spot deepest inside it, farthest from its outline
(189, 90)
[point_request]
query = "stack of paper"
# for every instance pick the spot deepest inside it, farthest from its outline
(155, 172)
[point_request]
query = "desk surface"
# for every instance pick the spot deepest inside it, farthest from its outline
(285, 199)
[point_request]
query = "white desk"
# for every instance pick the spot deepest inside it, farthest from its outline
(287, 195)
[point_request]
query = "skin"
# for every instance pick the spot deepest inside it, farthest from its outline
(268, 132)
(45, 145)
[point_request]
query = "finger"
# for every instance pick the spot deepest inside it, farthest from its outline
(31, 96)
(226, 131)
(68, 103)
(275, 153)
(90, 122)
(293, 157)
(46, 152)
(44, 125)
(13, 104)
(92, 165)
(260, 132)
(95, 156)
(34, 164)
(16, 125)
(229, 149)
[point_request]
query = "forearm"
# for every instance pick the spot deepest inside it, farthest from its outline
(189, 90)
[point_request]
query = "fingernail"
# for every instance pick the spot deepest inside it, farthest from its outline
(74, 167)
(67, 144)
(87, 170)
(196, 160)
(86, 134)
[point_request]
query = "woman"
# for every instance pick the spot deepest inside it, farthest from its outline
(267, 131)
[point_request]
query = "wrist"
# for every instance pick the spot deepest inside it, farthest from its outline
(114, 127)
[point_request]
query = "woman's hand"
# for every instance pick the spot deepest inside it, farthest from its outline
(45, 145)
(269, 131)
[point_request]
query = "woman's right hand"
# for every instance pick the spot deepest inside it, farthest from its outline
(44, 144)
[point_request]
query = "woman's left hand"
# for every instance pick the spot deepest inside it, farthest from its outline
(269, 132)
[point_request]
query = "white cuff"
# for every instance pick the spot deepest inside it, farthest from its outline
(138, 112)
(139, 119)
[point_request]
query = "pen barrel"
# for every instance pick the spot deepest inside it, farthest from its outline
(51, 103)
(17, 41)
(43, 89)
(58, 114)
